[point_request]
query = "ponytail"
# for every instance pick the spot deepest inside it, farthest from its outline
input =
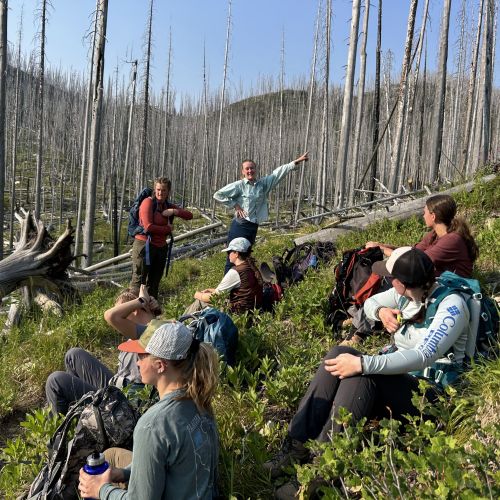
(199, 374)
(459, 225)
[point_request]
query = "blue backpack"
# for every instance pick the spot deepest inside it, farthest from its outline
(217, 328)
(484, 319)
(134, 226)
(483, 323)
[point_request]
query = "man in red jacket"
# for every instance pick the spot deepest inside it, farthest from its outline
(149, 251)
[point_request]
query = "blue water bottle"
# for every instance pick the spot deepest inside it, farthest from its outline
(96, 464)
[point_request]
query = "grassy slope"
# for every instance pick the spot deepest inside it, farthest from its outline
(278, 353)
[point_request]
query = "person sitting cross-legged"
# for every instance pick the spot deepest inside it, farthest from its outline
(243, 281)
(377, 386)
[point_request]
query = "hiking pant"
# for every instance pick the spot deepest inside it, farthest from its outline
(240, 228)
(371, 396)
(118, 458)
(84, 373)
(147, 275)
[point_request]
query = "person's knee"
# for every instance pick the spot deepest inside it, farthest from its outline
(341, 349)
(54, 390)
(72, 355)
(118, 457)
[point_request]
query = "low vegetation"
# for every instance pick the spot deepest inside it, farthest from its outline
(456, 454)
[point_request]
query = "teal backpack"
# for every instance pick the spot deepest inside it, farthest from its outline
(483, 342)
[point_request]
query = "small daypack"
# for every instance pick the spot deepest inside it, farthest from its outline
(354, 283)
(484, 319)
(217, 328)
(134, 226)
(293, 264)
(104, 419)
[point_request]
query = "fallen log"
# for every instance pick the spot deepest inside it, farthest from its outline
(37, 260)
(397, 212)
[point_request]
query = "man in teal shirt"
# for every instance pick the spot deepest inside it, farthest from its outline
(249, 198)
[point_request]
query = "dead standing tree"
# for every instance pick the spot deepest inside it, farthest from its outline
(393, 178)
(3, 89)
(437, 133)
(15, 130)
(345, 130)
(41, 82)
(144, 136)
(222, 99)
(95, 130)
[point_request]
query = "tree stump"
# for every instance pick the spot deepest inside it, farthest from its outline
(38, 261)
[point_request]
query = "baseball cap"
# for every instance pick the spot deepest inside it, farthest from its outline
(407, 264)
(238, 245)
(165, 339)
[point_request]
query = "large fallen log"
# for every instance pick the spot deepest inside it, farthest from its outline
(37, 261)
(398, 212)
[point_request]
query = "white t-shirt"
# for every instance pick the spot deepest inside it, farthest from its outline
(230, 281)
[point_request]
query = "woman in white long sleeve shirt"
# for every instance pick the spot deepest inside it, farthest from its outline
(381, 385)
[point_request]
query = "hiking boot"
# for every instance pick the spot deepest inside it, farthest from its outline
(292, 451)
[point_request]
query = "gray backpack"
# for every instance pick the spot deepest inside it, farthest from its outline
(104, 419)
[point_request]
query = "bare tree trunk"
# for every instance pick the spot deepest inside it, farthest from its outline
(280, 126)
(3, 89)
(95, 130)
(487, 71)
(412, 94)
(309, 110)
(321, 181)
(472, 90)
(345, 129)
(222, 99)
(144, 138)
(133, 79)
(360, 103)
(85, 140)
(41, 75)
(165, 169)
(405, 70)
(15, 130)
(437, 133)
(376, 106)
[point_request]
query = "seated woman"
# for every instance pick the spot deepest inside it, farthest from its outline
(84, 372)
(243, 281)
(175, 442)
(449, 242)
(381, 385)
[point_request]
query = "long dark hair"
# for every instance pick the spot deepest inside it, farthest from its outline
(444, 208)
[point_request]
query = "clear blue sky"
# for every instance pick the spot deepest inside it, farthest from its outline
(255, 43)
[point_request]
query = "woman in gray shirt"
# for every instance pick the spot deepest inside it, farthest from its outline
(175, 442)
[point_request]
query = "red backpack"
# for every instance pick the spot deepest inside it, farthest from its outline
(354, 283)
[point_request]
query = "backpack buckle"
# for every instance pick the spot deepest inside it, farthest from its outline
(477, 296)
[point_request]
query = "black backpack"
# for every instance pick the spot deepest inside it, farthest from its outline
(134, 227)
(293, 264)
(104, 419)
(354, 283)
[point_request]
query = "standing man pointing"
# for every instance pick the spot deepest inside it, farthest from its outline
(249, 198)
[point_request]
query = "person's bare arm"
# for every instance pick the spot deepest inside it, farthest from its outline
(117, 316)
(204, 295)
(386, 249)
